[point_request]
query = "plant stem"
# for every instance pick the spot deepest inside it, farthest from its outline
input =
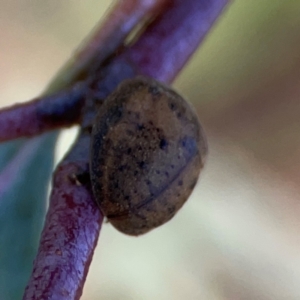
(69, 237)
(174, 37)
(42, 114)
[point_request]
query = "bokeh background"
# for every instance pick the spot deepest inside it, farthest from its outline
(237, 238)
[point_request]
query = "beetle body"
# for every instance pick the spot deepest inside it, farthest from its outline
(146, 154)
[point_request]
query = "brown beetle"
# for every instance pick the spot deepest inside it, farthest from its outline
(146, 155)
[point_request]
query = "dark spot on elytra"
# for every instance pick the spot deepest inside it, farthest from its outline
(153, 90)
(167, 174)
(171, 210)
(117, 114)
(140, 126)
(128, 150)
(122, 168)
(172, 106)
(180, 182)
(179, 115)
(163, 144)
(127, 198)
(142, 165)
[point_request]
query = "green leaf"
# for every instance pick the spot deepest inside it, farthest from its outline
(8, 150)
(22, 208)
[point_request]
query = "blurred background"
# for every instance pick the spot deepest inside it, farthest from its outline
(237, 236)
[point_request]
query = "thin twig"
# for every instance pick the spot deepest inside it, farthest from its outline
(42, 114)
(174, 37)
(119, 22)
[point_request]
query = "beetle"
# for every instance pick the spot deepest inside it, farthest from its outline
(147, 150)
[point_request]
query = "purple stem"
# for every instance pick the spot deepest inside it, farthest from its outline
(119, 22)
(69, 238)
(42, 114)
(165, 47)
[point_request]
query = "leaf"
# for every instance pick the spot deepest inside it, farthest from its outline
(26, 168)
(8, 150)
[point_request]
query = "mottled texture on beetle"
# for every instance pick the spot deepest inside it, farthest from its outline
(146, 154)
